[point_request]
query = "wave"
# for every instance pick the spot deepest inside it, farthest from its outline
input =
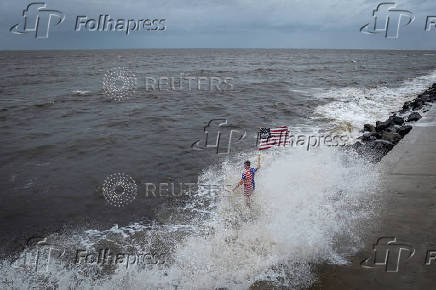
(81, 92)
(309, 208)
(353, 107)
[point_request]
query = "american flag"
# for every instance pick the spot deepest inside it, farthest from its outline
(269, 137)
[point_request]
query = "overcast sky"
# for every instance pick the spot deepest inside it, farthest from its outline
(223, 24)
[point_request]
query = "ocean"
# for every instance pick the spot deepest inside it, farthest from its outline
(68, 126)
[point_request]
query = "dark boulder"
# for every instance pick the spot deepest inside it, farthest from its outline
(369, 136)
(406, 107)
(417, 104)
(392, 129)
(368, 128)
(425, 97)
(404, 130)
(397, 120)
(378, 140)
(415, 116)
(382, 145)
(356, 145)
(381, 126)
(374, 150)
(393, 138)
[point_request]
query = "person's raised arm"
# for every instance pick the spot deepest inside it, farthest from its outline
(258, 162)
(239, 184)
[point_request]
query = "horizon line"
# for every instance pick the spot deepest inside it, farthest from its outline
(210, 48)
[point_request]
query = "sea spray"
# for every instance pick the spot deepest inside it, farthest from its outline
(305, 204)
(352, 107)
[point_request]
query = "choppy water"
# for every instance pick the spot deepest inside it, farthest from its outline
(62, 135)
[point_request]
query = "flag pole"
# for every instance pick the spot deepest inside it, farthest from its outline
(257, 143)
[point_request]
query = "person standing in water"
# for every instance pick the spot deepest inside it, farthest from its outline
(248, 180)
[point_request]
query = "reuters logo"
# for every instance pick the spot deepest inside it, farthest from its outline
(119, 189)
(119, 84)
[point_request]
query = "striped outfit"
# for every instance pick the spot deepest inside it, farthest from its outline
(248, 179)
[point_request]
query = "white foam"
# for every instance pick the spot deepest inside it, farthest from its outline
(81, 92)
(305, 203)
(353, 107)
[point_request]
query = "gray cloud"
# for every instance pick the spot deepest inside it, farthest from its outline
(225, 23)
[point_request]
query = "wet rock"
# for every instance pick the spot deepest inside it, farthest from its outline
(375, 150)
(381, 126)
(382, 145)
(368, 128)
(369, 136)
(378, 149)
(397, 120)
(417, 104)
(262, 285)
(404, 130)
(406, 107)
(425, 97)
(393, 138)
(415, 116)
(392, 129)
(356, 145)
(378, 140)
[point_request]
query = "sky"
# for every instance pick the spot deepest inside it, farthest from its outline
(318, 24)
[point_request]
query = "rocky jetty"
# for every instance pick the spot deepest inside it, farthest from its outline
(377, 140)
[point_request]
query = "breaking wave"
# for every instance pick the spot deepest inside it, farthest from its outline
(310, 207)
(352, 107)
